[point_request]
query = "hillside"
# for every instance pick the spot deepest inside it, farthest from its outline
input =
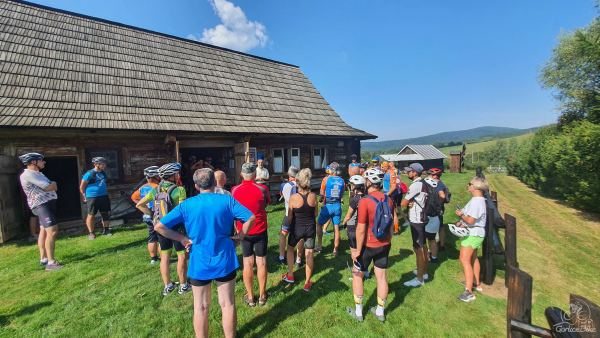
(483, 145)
(475, 134)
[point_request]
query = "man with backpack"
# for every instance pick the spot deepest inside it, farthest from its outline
(416, 199)
(373, 242)
(95, 195)
(166, 196)
(331, 194)
(151, 174)
(437, 197)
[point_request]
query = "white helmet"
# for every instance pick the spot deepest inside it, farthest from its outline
(374, 175)
(169, 170)
(151, 171)
(357, 180)
(30, 157)
(458, 231)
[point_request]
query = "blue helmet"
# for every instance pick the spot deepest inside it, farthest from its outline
(30, 157)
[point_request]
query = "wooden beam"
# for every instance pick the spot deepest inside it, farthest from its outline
(530, 329)
(510, 243)
(518, 304)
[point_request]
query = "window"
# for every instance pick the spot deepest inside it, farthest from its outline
(295, 157)
(278, 161)
(319, 158)
(113, 165)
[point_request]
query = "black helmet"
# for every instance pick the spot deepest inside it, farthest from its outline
(99, 160)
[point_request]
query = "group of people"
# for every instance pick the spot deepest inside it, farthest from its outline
(205, 229)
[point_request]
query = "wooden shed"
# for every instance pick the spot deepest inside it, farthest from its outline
(73, 87)
(425, 154)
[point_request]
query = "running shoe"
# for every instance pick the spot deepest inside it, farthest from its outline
(91, 236)
(168, 289)
(415, 283)
(425, 275)
(307, 286)
(262, 300)
(433, 260)
(288, 278)
(154, 260)
(467, 296)
(381, 318)
(248, 301)
(352, 313)
(318, 249)
(44, 262)
(53, 266)
(298, 263)
(183, 288)
(282, 261)
(477, 288)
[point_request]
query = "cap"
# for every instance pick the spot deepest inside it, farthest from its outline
(248, 168)
(414, 167)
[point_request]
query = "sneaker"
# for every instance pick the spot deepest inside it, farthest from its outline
(307, 286)
(477, 288)
(433, 260)
(415, 283)
(381, 318)
(53, 266)
(282, 261)
(106, 232)
(154, 260)
(168, 289)
(44, 262)
(248, 301)
(318, 249)
(352, 313)
(91, 236)
(288, 278)
(183, 288)
(299, 264)
(425, 275)
(262, 300)
(466, 297)
(335, 252)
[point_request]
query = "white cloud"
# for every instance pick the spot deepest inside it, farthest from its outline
(235, 30)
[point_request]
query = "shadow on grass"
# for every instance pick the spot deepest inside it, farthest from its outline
(296, 301)
(81, 257)
(6, 319)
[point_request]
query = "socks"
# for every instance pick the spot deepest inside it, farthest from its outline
(298, 260)
(358, 305)
(380, 305)
(281, 257)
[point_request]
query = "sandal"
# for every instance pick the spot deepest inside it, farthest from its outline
(248, 301)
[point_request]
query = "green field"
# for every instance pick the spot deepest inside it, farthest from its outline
(483, 145)
(108, 288)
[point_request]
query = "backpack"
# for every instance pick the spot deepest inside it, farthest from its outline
(383, 219)
(162, 202)
(433, 205)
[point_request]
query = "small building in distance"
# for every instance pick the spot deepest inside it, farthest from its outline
(425, 154)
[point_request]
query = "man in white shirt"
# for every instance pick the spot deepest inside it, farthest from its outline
(262, 173)
(221, 180)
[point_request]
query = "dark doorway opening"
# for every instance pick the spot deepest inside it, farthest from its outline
(218, 158)
(64, 171)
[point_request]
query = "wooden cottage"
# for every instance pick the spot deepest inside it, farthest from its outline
(73, 87)
(425, 154)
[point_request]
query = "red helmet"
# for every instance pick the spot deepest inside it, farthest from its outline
(436, 171)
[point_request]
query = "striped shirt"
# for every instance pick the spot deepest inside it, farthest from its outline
(34, 183)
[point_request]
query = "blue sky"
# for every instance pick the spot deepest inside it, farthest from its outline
(397, 69)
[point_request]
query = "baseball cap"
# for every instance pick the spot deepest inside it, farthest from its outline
(414, 167)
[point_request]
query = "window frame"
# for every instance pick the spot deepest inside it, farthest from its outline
(282, 160)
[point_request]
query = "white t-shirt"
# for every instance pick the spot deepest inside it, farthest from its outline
(262, 174)
(287, 193)
(34, 183)
(476, 208)
(415, 212)
(219, 190)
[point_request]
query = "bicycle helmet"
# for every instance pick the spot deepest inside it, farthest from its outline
(357, 180)
(30, 157)
(151, 171)
(458, 231)
(169, 170)
(374, 175)
(435, 171)
(98, 160)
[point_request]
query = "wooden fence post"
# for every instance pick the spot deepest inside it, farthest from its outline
(520, 287)
(487, 268)
(510, 244)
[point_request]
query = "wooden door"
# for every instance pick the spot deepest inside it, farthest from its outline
(241, 153)
(11, 215)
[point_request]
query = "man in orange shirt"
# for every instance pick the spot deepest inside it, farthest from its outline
(369, 248)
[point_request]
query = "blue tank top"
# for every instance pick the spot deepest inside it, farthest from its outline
(386, 183)
(334, 189)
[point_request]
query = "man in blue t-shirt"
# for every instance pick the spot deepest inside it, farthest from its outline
(332, 191)
(95, 194)
(208, 218)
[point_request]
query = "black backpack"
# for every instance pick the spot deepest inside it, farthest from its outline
(433, 205)
(93, 176)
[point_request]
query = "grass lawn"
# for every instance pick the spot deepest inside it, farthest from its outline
(108, 288)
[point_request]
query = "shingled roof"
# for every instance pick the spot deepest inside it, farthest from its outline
(65, 70)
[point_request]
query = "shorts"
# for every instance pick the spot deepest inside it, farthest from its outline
(474, 242)
(255, 245)
(303, 233)
(166, 244)
(417, 231)
(352, 238)
(204, 282)
(432, 228)
(379, 257)
(331, 211)
(152, 235)
(98, 204)
(46, 213)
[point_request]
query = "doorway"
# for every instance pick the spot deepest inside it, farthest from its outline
(218, 158)
(65, 172)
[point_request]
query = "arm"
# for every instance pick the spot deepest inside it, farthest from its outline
(173, 218)
(136, 197)
(142, 205)
(348, 214)
(465, 218)
(392, 183)
(361, 230)
(246, 227)
(82, 188)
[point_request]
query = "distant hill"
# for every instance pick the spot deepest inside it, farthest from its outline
(443, 139)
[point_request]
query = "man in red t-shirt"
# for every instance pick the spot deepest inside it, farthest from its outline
(370, 248)
(255, 197)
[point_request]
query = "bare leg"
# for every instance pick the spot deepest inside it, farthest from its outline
(165, 256)
(300, 249)
(466, 254)
(476, 268)
(433, 247)
(33, 225)
(319, 236)
(310, 264)
(442, 236)
(261, 272)
(153, 249)
(282, 245)
(290, 260)
(182, 267)
(42, 243)
(421, 254)
(227, 302)
(51, 234)
(336, 237)
(248, 276)
(89, 222)
(382, 284)
(201, 305)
